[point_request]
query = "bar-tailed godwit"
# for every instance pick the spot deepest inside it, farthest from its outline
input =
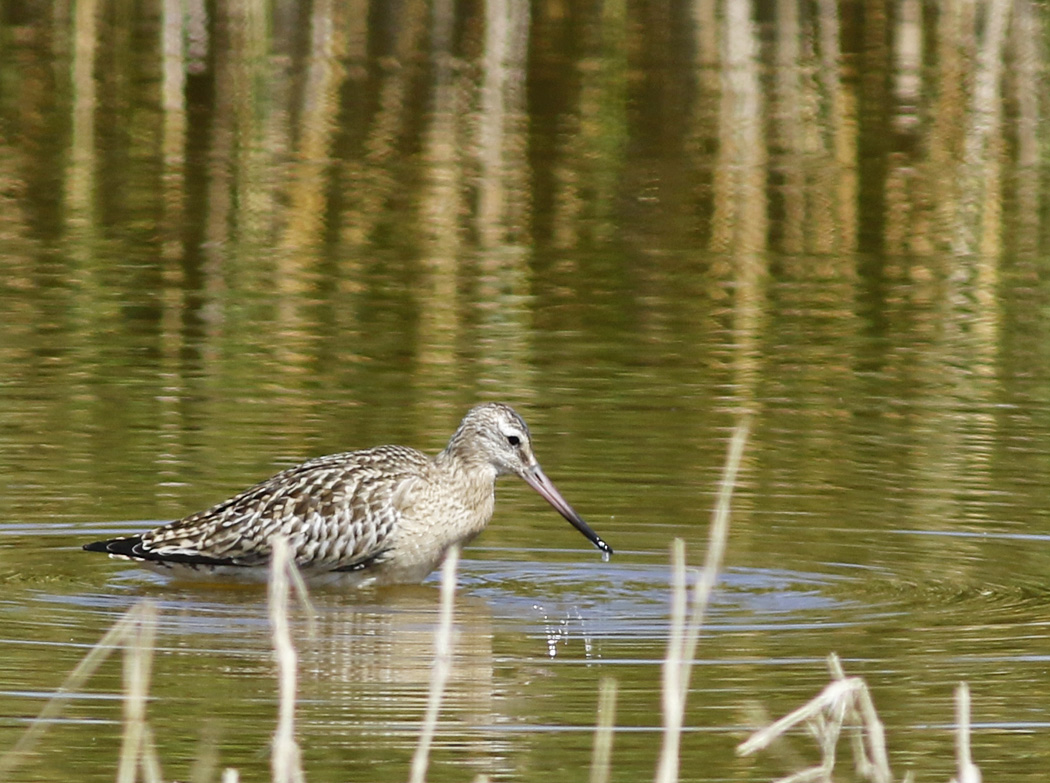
(378, 516)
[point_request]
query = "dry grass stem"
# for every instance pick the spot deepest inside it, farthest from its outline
(673, 702)
(151, 771)
(684, 636)
(968, 772)
(123, 630)
(716, 545)
(603, 735)
(206, 759)
(286, 761)
(301, 592)
(137, 750)
(844, 703)
(442, 667)
(868, 737)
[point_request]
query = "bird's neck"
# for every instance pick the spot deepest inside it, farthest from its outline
(465, 464)
(474, 482)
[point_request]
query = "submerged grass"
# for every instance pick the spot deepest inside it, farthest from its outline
(844, 705)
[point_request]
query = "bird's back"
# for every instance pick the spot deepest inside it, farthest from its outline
(338, 513)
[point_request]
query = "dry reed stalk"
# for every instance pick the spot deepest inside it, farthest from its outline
(846, 701)
(122, 634)
(442, 667)
(869, 738)
(968, 772)
(684, 636)
(286, 761)
(151, 771)
(673, 702)
(601, 758)
(206, 759)
(137, 750)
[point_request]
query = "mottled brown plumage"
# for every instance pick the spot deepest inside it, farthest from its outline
(381, 515)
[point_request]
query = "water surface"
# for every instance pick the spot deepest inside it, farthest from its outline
(235, 239)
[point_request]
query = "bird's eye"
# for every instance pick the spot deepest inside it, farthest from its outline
(513, 440)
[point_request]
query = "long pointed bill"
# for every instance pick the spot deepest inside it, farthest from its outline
(538, 480)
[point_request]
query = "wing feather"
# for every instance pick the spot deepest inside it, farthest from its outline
(338, 513)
